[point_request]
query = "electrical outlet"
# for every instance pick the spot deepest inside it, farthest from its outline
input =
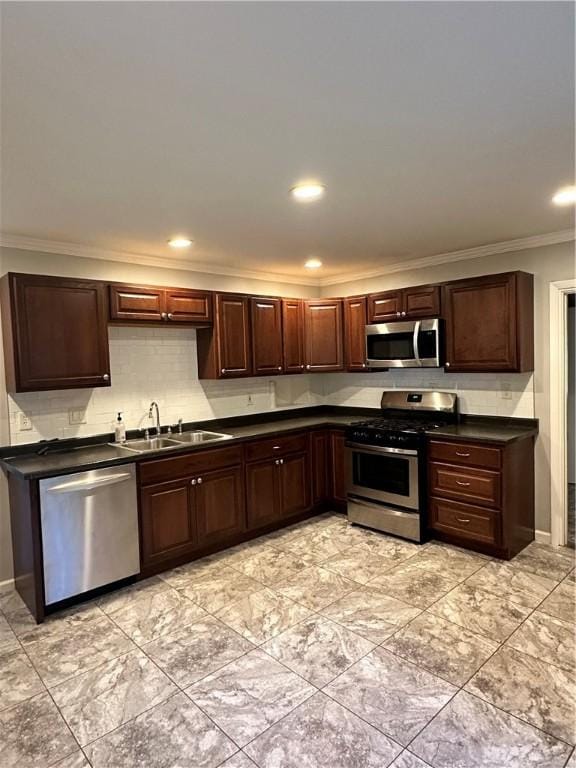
(24, 422)
(76, 416)
(505, 392)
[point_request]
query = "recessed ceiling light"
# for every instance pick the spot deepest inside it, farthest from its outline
(179, 242)
(565, 196)
(308, 191)
(313, 264)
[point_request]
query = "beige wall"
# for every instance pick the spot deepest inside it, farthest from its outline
(549, 263)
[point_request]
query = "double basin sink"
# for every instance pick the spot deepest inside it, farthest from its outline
(174, 441)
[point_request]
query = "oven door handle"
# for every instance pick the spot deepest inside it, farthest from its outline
(380, 449)
(415, 342)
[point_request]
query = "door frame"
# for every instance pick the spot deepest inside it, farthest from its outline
(559, 292)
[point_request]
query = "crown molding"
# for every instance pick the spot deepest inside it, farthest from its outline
(520, 244)
(165, 262)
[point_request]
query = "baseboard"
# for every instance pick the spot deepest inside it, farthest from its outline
(542, 537)
(7, 584)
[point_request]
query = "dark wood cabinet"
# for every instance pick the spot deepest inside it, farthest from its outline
(263, 505)
(168, 525)
(219, 505)
(320, 461)
(354, 333)
(409, 303)
(490, 323)
(293, 335)
(149, 304)
(225, 351)
(55, 333)
(323, 336)
(294, 482)
(339, 481)
(481, 496)
(266, 317)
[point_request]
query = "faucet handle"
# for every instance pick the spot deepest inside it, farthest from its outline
(146, 434)
(179, 426)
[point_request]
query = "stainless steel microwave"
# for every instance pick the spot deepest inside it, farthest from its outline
(405, 344)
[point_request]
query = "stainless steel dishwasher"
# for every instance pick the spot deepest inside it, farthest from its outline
(89, 530)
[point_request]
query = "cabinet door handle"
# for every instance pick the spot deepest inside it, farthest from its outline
(223, 370)
(106, 376)
(199, 481)
(462, 483)
(308, 367)
(447, 365)
(463, 519)
(465, 455)
(170, 315)
(193, 481)
(281, 461)
(277, 462)
(279, 367)
(403, 314)
(163, 315)
(397, 314)
(302, 366)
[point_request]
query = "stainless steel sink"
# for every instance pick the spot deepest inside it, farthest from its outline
(152, 444)
(200, 436)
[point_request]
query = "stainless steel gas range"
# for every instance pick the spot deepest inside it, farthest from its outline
(386, 461)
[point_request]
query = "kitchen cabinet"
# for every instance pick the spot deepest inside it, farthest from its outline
(293, 335)
(55, 333)
(277, 480)
(481, 496)
(410, 303)
(203, 507)
(354, 333)
(323, 337)
(320, 461)
(225, 351)
(490, 323)
(339, 480)
(266, 317)
(148, 304)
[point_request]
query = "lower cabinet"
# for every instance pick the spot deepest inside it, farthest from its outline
(277, 489)
(181, 516)
(320, 460)
(338, 479)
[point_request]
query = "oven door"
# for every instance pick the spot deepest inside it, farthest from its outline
(415, 344)
(388, 475)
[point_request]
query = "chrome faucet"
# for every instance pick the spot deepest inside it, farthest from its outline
(153, 405)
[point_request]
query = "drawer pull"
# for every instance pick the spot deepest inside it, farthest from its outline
(463, 519)
(465, 455)
(275, 447)
(462, 483)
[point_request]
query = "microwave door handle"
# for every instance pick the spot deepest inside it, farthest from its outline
(415, 342)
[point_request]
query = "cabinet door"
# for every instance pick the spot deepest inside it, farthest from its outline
(294, 480)
(338, 466)
(422, 301)
(167, 521)
(354, 333)
(219, 505)
(263, 506)
(233, 335)
(323, 335)
(481, 327)
(293, 335)
(319, 454)
(184, 306)
(136, 303)
(383, 307)
(266, 316)
(56, 333)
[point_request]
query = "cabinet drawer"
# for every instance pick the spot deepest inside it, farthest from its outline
(465, 521)
(478, 486)
(158, 470)
(469, 454)
(279, 446)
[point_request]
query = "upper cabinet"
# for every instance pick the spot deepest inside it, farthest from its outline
(266, 317)
(323, 335)
(354, 333)
(55, 333)
(490, 323)
(293, 335)
(137, 304)
(420, 301)
(225, 351)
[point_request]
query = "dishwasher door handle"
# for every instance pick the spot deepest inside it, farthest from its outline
(89, 485)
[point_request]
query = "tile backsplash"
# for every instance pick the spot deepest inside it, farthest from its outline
(161, 364)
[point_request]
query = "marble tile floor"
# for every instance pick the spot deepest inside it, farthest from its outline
(320, 645)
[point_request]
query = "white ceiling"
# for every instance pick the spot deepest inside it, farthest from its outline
(435, 126)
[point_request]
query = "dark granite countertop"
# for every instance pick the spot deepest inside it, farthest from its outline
(63, 457)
